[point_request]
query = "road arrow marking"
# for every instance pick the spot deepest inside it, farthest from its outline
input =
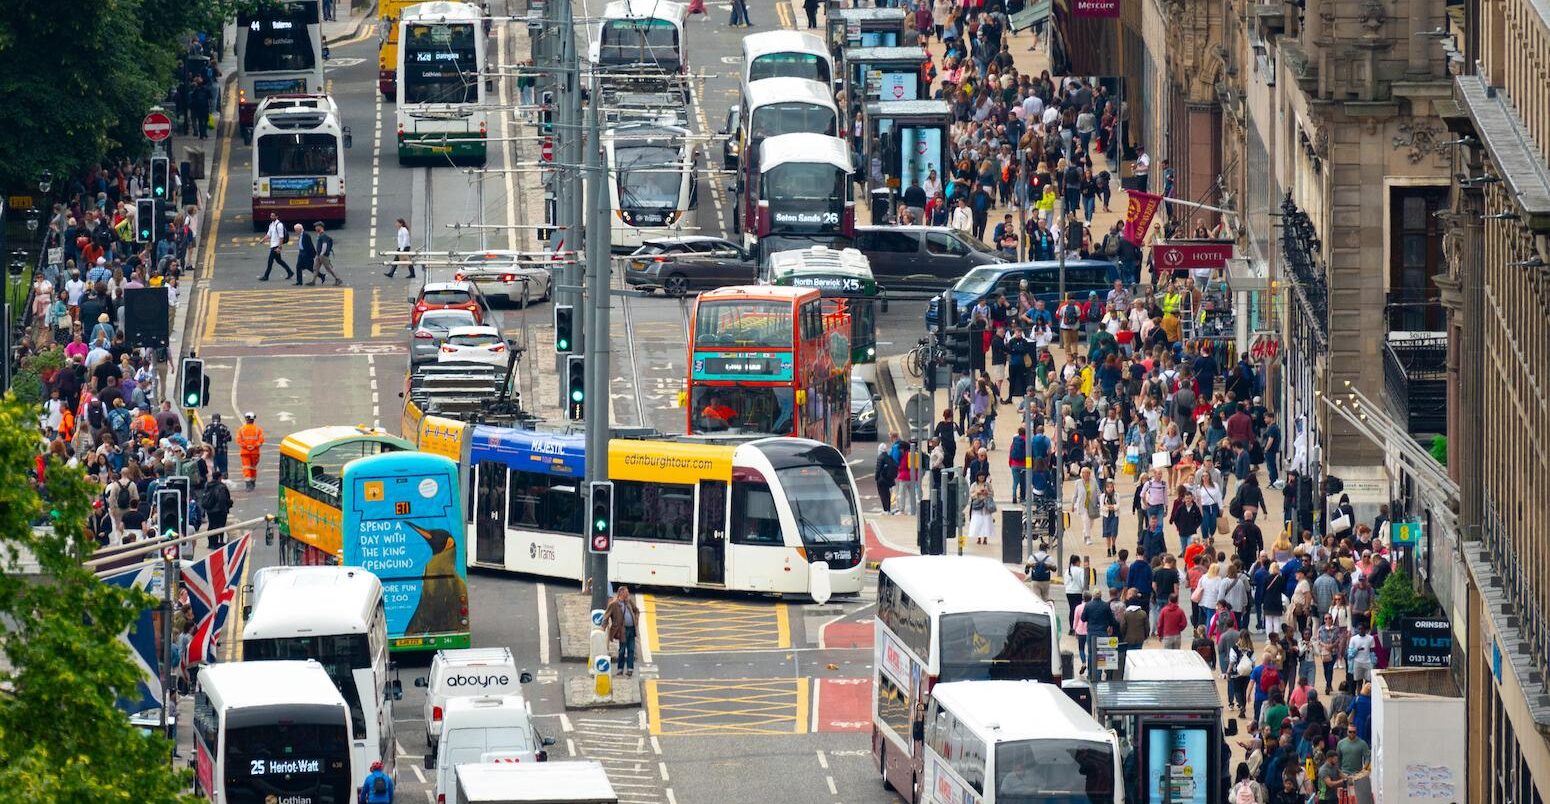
(282, 382)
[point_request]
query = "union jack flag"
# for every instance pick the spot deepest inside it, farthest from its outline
(212, 587)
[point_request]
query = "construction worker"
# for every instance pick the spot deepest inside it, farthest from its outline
(250, 439)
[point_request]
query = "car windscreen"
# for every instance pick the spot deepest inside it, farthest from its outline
(977, 282)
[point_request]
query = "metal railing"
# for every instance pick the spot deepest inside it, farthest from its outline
(1415, 380)
(1508, 565)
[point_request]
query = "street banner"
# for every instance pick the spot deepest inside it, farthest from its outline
(212, 585)
(1108, 9)
(1139, 209)
(142, 638)
(1179, 255)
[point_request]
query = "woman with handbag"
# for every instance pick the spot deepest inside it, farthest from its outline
(982, 509)
(1209, 495)
(1240, 665)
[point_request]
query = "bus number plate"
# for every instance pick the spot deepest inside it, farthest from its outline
(300, 202)
(410, 642)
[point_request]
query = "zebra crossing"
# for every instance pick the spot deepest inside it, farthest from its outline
(630, 755)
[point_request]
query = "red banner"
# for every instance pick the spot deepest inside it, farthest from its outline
(1095, 8)
(1179, 255)
(1139, 209)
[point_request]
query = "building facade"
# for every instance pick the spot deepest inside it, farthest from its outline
(1497, 294)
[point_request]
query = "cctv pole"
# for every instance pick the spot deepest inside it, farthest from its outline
(599, 235)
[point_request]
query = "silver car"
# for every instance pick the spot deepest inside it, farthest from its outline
(426, 338)
(506, 273)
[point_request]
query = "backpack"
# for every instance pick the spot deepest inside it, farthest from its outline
(1110, 245)
(1040, 569)
(94, 415)
(1269, 679)
(1244, 793)
(379, 785)
(1115, 575)
(1070, 316)
(121, 499)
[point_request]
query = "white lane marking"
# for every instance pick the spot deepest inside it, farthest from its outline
(543, 624)
(418, 774)
(645, 631)
(565, 723)
(508, 147)
(662, 766)
(832, 790)
(670, 798)
(656, 747)
(823, 761)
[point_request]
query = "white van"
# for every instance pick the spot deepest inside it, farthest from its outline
(1166, 665)
(463, 673)
(549, 783)
(481, 729)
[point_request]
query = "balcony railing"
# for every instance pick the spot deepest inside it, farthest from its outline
(1415, 370)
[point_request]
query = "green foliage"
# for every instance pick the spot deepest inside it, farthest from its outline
(78, 79)
(1439, 450)
(27, 383)
(62, 737)
(1397, 598)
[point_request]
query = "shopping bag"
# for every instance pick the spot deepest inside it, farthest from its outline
(1161, 460)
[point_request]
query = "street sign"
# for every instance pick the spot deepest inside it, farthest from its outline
(918, 411)
(1404, 533)
(1107, 654)
(1425, 641)
(156, 127)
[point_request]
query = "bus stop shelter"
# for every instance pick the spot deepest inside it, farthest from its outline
(910, 137)
(1172, 745)
(882, 73)
(866, 27)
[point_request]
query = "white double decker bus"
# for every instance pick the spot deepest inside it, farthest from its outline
(279, 49)
(334, 616)
(271, 731)
(298, 165)
(944, 619)
(1016, 742)
(441, 92)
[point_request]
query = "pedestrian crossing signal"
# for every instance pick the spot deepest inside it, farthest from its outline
(160, 177)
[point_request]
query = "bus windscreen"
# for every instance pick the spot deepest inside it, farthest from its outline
(995, 645)
(441, 64)
(744, 324)
(288, 762)
(789, 65)
(732, 409)
(639, 41)
(280, 39)
(793, 117)
(1043, 771)
(806, 197)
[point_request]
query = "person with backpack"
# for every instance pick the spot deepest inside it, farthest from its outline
(1041, 570)
(1069, 314)
(1244, 789)
(886, 474)
(216, 502)
(378, 787)
(122, 496)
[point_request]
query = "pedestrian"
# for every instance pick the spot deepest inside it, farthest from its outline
(199, 107)
(909, 479)
(620, 620)
(250, 440)
(1086, 504)
(216, 502)
(740, 14)
(1172, 623)
(1359, 654)
(323, 246)
(1081, 580)
(404, 254)
(276, 238)
(377, 787)
(217, 436)
(1108, 503)
(1040, 570)
(306, 253)
(886, 474)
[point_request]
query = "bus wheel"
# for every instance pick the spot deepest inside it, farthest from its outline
(676, 285)
(882, 765)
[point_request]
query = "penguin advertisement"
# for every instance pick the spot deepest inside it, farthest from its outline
(404, 524)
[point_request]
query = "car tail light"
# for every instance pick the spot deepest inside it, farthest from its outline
(763, 219)
(448, 349)
(508, 277)
(458, 277)
(423, 335)
(441, 798)
(848, 220)
(435, 713)
(483, 128)
(499, 347)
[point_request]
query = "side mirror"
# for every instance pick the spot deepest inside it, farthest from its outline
(877, 397)
(394, 690)
(917, 732)
(349, 138)
(547, 741)
(325, 53)
(411, 300)
(430, 761)
(527, 678)
(422, 681)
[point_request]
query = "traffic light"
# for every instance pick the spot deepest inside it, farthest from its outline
(576, 387)
(145, 221)
(601, 536)
(976, 344)
(161, 177)
(959, 351)
(564, 328)
(546, 112)
(195, 387)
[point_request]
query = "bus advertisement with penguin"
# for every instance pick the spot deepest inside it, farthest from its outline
(403, 521)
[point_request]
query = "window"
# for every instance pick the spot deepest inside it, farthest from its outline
(661, 512)
(881, 240)
(293, 473)
(297, 155)
(280, 39)
(996, 645)
(908, 621)
(543, 502)
(339, 654)
(1058, 770)
(893, 706)
(754, 517)
(441, 64)
(1086, 278)
(753, 409)
(764, 324)
(1415, 255)
(639, 41)
(207, 723)
(944, 244)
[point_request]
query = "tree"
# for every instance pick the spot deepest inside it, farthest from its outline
(61, 733)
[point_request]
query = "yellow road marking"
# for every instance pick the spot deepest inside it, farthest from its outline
(693, 625)
(383, 322)
(217, 207)
(681, 707)
(782, 626)
(263, 316)
(648, 612)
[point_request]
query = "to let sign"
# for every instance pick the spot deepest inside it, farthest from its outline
(1095, 8)
(1426, 641)
(156, 126)
(1178, 256)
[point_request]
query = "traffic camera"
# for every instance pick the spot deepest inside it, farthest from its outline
(145, 221)
(576, 387)
(601, 535)
(161, 177)
(564, 328)
(196, 387)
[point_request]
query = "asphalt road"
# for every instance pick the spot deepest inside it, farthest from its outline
(746, 699)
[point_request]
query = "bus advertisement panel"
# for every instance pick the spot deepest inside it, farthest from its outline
(404, 518)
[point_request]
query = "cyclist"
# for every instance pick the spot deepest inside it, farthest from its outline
(378, 787)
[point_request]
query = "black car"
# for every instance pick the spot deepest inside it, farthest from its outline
(731, 147)
(863, 410)
(921, 257)
(679, 265)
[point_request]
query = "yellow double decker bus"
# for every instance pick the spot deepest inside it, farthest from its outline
(388, 12)
(311, 483)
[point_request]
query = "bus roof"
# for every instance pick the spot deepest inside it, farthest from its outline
(647, 9)
(803, 147)
(243, 685)
(785, 89)
(295, 119)
(1166, 665)
(953, 584)
(441, 11)
(534, 781)
(307, 442)
(311, 601)
(766, 42)
(1004, 711)
(561, 454)
(844, 262)
(756, 293)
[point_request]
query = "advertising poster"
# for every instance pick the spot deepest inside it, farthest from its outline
(409, 534)
(1177, 764)
(920, 152)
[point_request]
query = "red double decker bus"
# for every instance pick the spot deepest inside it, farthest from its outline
(768, 360)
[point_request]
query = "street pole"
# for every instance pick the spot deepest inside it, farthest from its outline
(599, 236)
(1027, 482)
(167, 581)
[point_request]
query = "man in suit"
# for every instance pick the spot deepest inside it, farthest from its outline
(306, 253)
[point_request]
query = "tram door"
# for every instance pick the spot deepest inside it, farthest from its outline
(490, 527)
(713, 532)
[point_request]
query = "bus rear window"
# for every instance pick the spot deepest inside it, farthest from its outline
(1038, 771)
(298, 155)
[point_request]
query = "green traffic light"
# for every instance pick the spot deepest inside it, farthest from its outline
(577, 395)
(562, 344)
(161, 191)
(191, 400)
(602, 525)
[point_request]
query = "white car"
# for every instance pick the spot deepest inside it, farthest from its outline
(505, 273)
(474, 345)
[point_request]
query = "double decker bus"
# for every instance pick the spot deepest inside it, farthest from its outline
(651, 173)
(767, 360)
(844, 277)
(785, 54)
(279, 50)
(643, 36)
(803, 193)
(441, 92)
(271, 731)
(311, 471)
(949, 618)
(388, 14)
(769, 515)
(1018, 742)
(335, 616)
(772, 107)
(298, 166)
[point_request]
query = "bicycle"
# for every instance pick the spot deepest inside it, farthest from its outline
(926, 353)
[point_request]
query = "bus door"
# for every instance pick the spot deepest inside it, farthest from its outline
(490, 529)
(713, 532)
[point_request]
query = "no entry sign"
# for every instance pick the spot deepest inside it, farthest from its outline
(156, 127)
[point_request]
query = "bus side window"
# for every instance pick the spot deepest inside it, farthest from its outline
(206, 723)
(653, 511)
(754, 518)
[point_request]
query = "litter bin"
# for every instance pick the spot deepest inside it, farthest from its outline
(882, 204)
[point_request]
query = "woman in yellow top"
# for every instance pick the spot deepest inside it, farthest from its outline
(1046, 205)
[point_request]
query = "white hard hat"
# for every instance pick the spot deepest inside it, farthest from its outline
(249, 416)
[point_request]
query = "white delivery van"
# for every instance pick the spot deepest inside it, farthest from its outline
(480, 729)
(466, 672)
(1166, 665)
(549, 783)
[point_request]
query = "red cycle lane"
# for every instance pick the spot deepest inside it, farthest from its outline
(844, 704)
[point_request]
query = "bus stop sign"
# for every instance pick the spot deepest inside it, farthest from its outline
(156, 127)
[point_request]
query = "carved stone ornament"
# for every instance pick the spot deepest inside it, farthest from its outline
(1422, 137)
(1321, 142)
(1373, 16)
